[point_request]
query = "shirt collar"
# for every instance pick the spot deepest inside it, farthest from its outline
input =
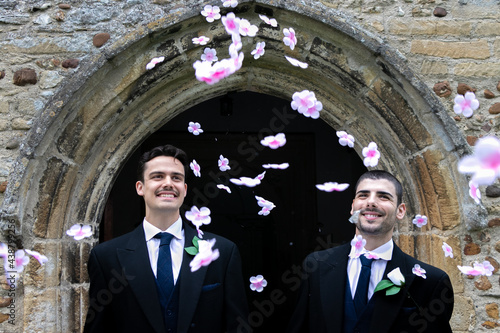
(175, 229)
(384, 251)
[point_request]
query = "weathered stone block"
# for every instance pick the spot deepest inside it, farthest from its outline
(438, 193)
(471, 249)
(492, 310)
(52, 198)
(24, 76)
(428, 248)
(434, 67)
(482, 283)
(100, 39)
(455, 50)
(442, 89)
(462, 319)
(393, 107)
(48, 275)
(477, 70)
(36, 303)
(494, 109)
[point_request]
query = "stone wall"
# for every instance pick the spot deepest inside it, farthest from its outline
(451, 46)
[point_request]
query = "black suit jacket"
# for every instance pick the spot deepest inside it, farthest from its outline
(123, 295)
(320, 306)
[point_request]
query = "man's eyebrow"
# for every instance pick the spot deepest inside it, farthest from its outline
(152, 173)
(378, 192)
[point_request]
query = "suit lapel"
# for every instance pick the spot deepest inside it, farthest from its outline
(387, 307)
(191, 284)
(333, 277)
(134, 260)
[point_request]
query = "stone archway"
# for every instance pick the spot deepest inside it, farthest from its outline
(86, 132)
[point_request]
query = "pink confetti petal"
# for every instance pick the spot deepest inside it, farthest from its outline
(484, 164)
(79, 232)
(274, 142)
(281, 166)
(345, 139)
(290, 39)
(420, 220)
(332, 186)
(205, 255)
(154, 62)
(196, 168)
(419, 271)
(272, 22)
(371, 155)
(257, 283)
(296, 62)
(195, 128)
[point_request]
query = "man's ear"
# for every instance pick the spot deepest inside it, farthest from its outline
(401, 211)
(185, 189)
(138, 188)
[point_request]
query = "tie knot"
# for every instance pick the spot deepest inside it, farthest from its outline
(164, 237)
(365, 261)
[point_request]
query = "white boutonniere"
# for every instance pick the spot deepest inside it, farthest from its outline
(396, 281)
(393, 285)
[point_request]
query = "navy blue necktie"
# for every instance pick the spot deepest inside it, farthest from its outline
(361, 296)
(164, 275)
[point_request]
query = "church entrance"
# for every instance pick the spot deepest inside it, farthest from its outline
(304, 219)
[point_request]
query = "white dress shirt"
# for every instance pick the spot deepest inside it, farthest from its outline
(384, 253)
(176, 245)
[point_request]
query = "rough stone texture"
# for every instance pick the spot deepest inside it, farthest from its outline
(435, 191)
(490, 324)
(471, 249)
(494, 109)
(462, 319)
(475, 70)
(482, 283)
(464, 88)
(492, 310)
(24, 76)
(489, 94)
(4, 317)
(440, 12)
(493, 263)
(497, 246)
(471, 140)
(456, 50)
(442, 89)
(70, 63)
(493, 191)
(100, 39)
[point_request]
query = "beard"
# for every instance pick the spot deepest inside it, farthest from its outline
(376, 228)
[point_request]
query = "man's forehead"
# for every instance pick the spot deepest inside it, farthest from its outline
(164, 162)
(376, 185)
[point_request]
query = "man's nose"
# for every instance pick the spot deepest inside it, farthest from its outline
(372, 200)
(167, 181)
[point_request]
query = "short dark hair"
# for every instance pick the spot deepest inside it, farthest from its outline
(166, 150)
(382, 174)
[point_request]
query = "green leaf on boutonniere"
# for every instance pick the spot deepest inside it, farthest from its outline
(389, 287)
(384, 284)
(193, 250)
(392, 290)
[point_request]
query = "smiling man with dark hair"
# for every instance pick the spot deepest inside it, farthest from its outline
(340, 295)
(142, 281)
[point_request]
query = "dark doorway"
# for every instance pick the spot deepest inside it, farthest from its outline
(304, 220)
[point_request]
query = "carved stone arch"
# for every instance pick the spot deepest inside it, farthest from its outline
(86, 132)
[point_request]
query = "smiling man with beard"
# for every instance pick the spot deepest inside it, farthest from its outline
(338, 295)
(142, 281)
